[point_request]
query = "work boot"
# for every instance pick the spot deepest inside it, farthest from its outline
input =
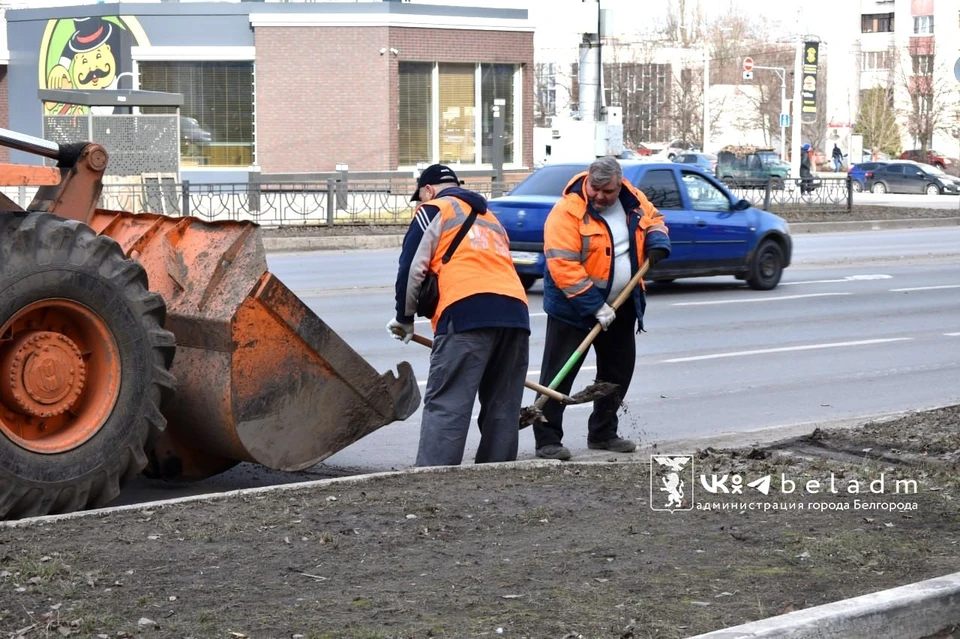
(614, 444)
(553, 451)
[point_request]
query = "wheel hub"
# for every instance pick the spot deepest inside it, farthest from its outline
(46, 373)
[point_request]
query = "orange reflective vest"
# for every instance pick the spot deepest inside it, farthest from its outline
(578, 246)
(481, 263)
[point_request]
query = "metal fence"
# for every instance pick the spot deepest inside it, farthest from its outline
(810, 194)
(377, 201)
(281, 203)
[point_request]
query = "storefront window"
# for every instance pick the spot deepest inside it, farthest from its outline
(441, 125)
(416, 123)
(497, 83)
(216, 123)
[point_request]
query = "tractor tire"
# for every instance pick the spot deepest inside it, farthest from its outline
(84, 366)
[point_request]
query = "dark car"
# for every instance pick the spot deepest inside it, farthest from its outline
(858, 174)
(711, 231)
(706, 161)
(910, 177)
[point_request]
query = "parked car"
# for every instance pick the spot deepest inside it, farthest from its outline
(870, 156)
(706, 161)
(910, 177)
(931, 157)
(751, 166)
(712, 232)
(858, 174)
(676, 147)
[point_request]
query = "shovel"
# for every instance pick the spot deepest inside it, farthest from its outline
(585, 344)
(531, 414)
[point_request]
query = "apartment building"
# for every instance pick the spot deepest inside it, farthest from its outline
(906, 50)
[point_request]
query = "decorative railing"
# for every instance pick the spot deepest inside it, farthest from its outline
(776, 195)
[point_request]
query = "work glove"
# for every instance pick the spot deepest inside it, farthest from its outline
(654, 255)
(400, 331)
(605, 315)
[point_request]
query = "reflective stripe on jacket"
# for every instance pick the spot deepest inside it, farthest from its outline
(578, 246)
(481, 263)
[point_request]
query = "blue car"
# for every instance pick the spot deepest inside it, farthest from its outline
(858, 173)
(712, 232)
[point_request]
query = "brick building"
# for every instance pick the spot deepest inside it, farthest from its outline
(289, 88)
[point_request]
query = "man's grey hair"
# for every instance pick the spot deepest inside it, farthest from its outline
(603, 170)
(443, 186)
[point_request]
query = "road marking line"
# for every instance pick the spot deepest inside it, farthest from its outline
(924, 288)
(952, 334)
(531, 373)
(848, 278)
(785, 349)
(759, 299)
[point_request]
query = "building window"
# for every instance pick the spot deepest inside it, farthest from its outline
(875, 61)
(216, 123)
(546, 90)
(923, 65)
(876, 23)
(458, 104)
(496, 83)
(446, 112)
(923, 25)
(416, 114)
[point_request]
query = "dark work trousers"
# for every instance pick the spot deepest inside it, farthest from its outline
(491, 362)
(616, 353)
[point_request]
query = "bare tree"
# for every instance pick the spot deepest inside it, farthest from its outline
(931, 96)
(544, 93)
(641, 87)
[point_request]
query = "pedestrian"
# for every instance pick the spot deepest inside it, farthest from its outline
(481, 323)
(595, 239)
(837, 158)
(806, 177)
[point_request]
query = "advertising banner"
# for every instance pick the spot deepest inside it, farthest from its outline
(808, 91)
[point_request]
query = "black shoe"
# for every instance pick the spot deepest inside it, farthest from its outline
(614, 444)
(553, 451)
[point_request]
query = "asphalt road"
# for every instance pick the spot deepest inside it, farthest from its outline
(910, 200)
(862, 324)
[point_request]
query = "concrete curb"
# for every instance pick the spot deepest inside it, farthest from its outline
(908, 612)
(355, 242)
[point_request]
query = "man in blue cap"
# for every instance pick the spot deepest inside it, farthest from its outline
(806, 177)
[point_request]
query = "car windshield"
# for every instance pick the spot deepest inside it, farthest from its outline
(768, 158)
(548, 180)
(932, 170)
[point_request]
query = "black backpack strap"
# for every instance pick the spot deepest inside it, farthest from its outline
(462, 233)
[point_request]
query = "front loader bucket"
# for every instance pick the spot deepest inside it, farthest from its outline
(260, 377)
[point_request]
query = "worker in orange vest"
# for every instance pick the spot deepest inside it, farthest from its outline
(595, 239)
(481, 323)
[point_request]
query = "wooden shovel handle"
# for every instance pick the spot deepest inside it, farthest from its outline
(543, 390)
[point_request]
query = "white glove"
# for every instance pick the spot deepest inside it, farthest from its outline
(605, 315)
(402, 332)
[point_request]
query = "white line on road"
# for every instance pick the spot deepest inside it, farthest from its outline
(785, 349)
(924, 288)
(848, 278)
(760, 299)
(952, 334)
(532, 373)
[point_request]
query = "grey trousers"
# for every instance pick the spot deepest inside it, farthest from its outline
(491, 362)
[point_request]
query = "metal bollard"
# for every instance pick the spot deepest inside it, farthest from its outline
(185, 199)
(331, 203)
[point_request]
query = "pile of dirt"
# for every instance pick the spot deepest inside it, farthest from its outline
(515, 550)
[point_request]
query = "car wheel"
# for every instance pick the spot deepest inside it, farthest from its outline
(878, 187)
(933, 189)
(857, 187)
(776, 184)
(767, 267)
(528, 281)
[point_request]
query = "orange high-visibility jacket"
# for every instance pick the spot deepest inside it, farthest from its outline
(579, 250)
(481, 263)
